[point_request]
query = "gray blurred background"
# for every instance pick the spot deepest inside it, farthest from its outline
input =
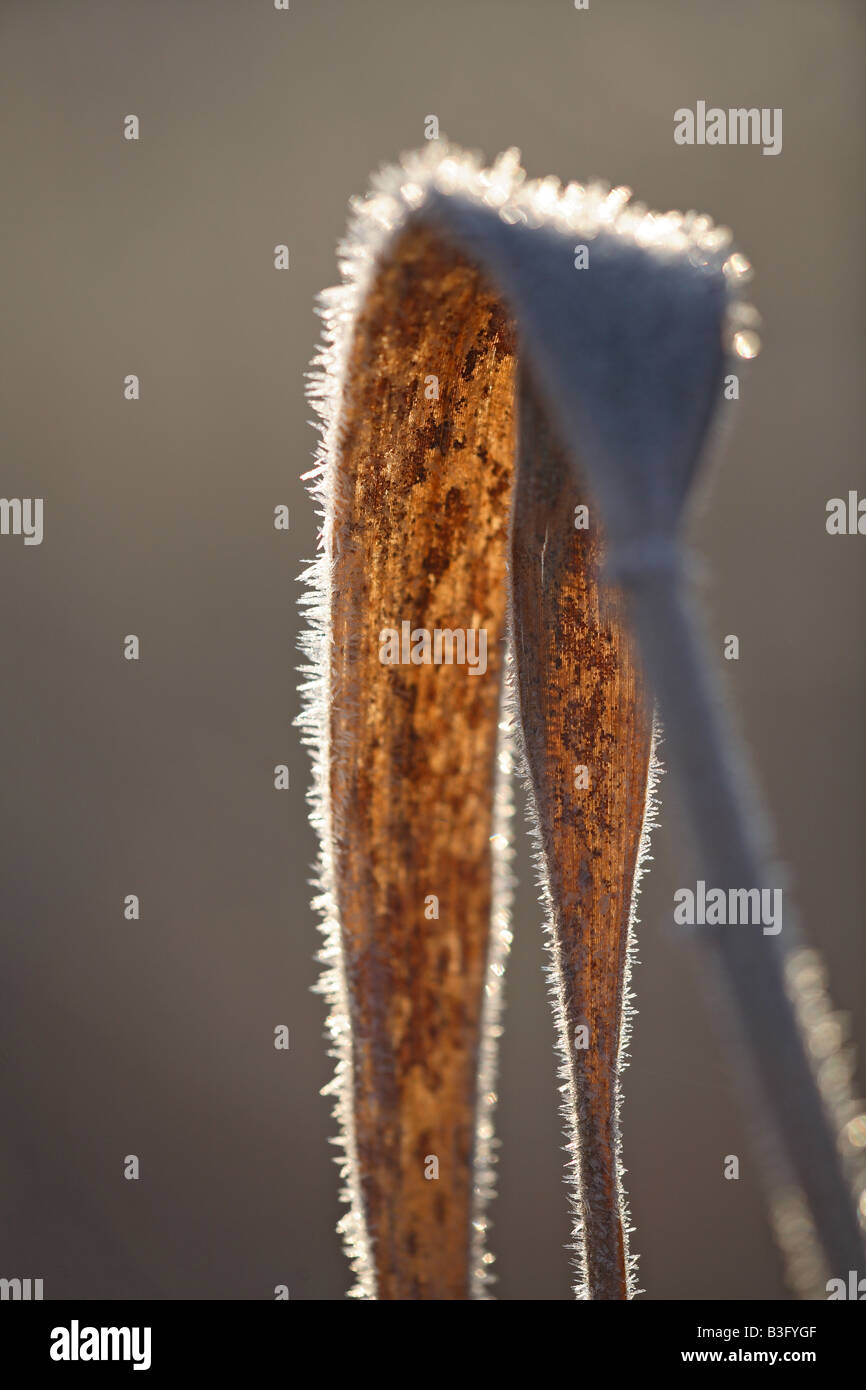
(156, 258)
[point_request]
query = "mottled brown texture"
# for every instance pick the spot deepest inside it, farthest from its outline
(421, 534)
(581, 705)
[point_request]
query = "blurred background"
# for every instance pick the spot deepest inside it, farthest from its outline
(155, 777)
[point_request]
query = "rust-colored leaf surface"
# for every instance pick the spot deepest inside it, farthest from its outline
(420, 536)
(420, 533)
(587, 738)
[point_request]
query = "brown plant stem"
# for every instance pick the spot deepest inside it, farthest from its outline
(419, 534)
(582, 705)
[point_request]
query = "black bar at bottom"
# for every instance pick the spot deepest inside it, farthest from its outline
(155, 1339)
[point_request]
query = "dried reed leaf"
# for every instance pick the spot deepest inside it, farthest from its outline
(426, 521)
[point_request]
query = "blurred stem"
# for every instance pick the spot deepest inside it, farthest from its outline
(732, 851)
